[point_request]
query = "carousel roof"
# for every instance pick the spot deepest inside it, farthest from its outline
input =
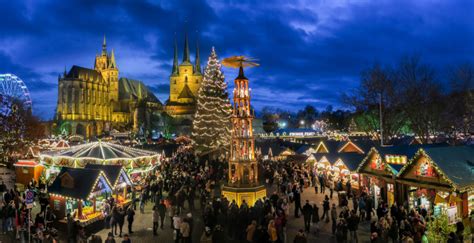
(101, 151)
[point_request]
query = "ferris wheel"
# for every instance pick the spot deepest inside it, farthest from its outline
(13, 88)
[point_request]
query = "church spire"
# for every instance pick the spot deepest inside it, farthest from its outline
(186, 49)
(112, 60)
(197, 70)
(104, 47)
(175, 59)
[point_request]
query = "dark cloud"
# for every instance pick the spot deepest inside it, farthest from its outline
(309, 51)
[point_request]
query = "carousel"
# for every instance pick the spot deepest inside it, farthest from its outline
(103, 153)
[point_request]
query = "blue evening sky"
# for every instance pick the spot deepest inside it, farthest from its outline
(310, 51)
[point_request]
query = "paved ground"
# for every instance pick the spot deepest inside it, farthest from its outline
(143, 226)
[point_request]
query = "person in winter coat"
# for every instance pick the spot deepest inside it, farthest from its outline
(162, 212)
(272, 232)
(353, 225)
(326, 208)
(155, 215)
(251, 231)
(334, 218)
(130, 218)
(307, 213)
(315, 218)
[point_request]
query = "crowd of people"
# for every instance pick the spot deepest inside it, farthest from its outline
(174, 186)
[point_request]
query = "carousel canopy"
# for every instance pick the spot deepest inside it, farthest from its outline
(101, 151)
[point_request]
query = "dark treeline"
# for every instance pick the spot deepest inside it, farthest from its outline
(413, 97)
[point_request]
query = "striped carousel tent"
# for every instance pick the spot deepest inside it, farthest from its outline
(100, 153)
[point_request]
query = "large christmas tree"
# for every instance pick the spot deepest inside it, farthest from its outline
(211, 125)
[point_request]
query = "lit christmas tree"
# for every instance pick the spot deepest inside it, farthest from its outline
(211, 124)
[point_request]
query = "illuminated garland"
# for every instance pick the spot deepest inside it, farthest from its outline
(211, 124)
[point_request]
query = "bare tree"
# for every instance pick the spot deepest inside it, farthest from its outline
(378, 89)
(460, 109)
(422, 97)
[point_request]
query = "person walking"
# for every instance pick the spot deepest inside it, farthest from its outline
(297, 199)
(307, 213)
(130, 218)
(352, 226)
(162, 213)
(185, 231)
(321, 183)
(326, 208)
(334, 218)
(272, 232)
(331, 188)
(315, 218)
(155, 215)
(251, 231)
(121, 220)
(362, 208)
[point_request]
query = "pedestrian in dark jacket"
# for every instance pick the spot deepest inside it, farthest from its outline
(162, 212)
(315, 217)
(130, 218)
(307, 213)
(353, 225)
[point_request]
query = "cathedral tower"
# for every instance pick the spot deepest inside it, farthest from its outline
(106, 65)
(185, 80)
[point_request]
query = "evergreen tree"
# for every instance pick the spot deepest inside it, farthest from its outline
(211, 124)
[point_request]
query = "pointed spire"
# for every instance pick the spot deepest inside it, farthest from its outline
(104, 47)
(65, 71)
(241, 72)
(186, 50)
(197, 70)
(174, 72)
(112, 60)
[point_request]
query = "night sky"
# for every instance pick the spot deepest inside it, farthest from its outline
(310, 51)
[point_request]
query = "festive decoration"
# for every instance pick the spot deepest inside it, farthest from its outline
(243, 184)
(211, 125)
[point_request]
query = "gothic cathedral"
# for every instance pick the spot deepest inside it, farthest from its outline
(94, 101)
(185, 80)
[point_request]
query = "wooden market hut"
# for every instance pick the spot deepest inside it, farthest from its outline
(378, 177)
(441, 172)
(79, 192)
(27, 170)
(380, 168)
(118, 179)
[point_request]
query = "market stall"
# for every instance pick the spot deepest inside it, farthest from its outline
(27, 170)
(80, 193)
(346, 168)
(377, 178)
(440, 180)
(120, 181)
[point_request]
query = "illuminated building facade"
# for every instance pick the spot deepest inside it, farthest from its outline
(185, 80)
(93, 101)
(243, 181)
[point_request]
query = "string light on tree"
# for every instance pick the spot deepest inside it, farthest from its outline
(211, 124)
